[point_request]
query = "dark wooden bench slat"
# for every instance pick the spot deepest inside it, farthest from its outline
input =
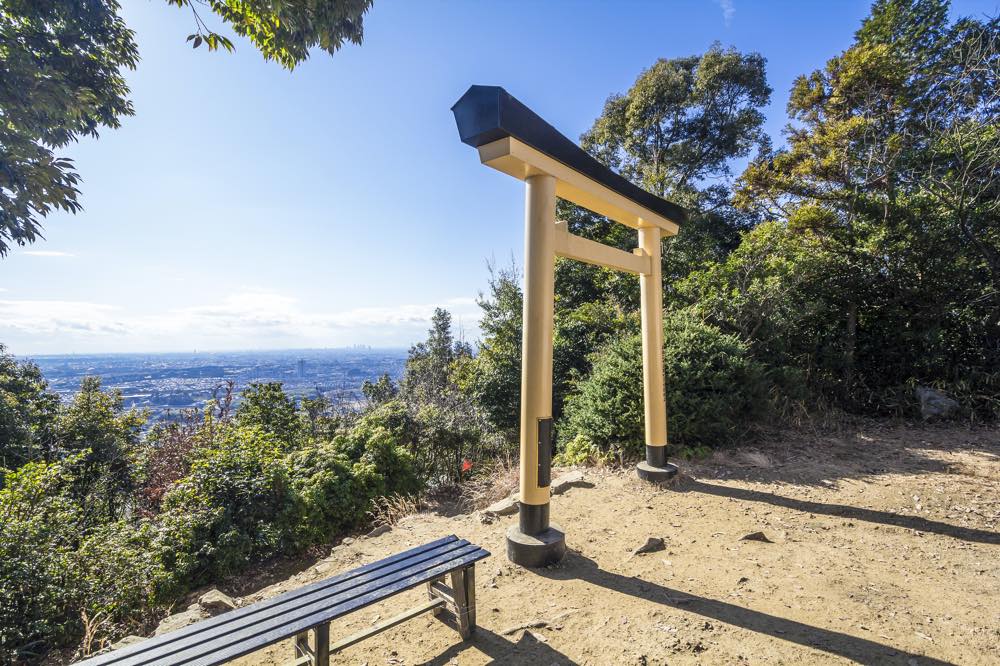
(242, 647)
(261, 614)
(250, 638)
(119, 656)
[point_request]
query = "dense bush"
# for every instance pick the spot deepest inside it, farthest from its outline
(715, 391)
(330, 489)
(237, 492)
(243, 484)
(27, 413)
(38, 534)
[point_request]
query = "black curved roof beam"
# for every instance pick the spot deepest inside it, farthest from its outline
(512, 138)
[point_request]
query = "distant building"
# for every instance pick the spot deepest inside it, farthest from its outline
(300, 368)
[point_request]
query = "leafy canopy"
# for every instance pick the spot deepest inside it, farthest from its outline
(61, 78)
(283, 30)
(683, 120)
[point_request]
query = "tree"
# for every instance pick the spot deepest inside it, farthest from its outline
(28, 412)
(283, 30)
(318, 418)
(61, 64)
(960, 116)
(891, 165)
(675, 133)
(97, 426)
(444, 427)
(266, 406)
(380, 391)
(683, 120)
(496, 383)
(429, 365)
(60, 79)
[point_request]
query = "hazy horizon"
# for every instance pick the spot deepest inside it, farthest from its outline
(193, 352)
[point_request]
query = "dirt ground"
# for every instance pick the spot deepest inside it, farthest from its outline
(884, 549)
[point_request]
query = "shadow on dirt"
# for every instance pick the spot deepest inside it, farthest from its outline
(527, 650)
(862, 650)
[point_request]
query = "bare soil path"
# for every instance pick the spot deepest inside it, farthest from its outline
(884, 548)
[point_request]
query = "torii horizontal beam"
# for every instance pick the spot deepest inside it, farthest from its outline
(513, 139)
(583, 249)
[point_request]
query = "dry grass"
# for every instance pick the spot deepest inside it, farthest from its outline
(496, 482)
(390, 510)
(93, 627)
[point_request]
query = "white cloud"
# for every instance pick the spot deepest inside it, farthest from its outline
(47, 253)
(728, 11)
(54, 317)
(253, 318)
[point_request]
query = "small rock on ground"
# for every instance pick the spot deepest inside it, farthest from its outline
(131, 639)
(566, 481)
(652, 545)
(934, 404)
(179, 621)
(505, 507)
(756, 536)
(214, 601)
(378, 531)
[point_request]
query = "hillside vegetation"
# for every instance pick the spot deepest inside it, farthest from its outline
(841, 271)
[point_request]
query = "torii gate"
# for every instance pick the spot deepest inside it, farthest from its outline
(513, 139)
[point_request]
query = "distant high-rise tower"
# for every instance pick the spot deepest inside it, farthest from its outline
(300, 368)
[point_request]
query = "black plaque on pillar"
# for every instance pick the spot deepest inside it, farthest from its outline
(544, 452)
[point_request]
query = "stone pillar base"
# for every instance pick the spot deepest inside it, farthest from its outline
(536, 550)
(652, 474)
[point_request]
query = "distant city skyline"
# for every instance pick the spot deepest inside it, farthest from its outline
(248, 208)
(169, 384)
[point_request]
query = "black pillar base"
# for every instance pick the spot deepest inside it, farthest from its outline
(655, 468)
(536, 550)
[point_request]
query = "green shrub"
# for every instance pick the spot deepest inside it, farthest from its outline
(580, 451)
(246, 494)
(242, 487)
(266, 406)
(331, 490)
(54, 572)
(714, 390)
(38, 524)
(118, 575)
(392, 416)
(183, 542)
(396, 467)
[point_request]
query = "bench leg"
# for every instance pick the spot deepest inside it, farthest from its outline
(302, 647)
(463, 585)
(470, 595)
(321, 635)
(431, 596)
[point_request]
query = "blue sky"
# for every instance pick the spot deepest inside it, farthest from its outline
(248, 207)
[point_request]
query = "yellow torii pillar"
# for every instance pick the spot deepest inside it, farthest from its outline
(513, 139)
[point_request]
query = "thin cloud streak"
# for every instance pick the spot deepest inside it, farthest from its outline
(47, 253)
(728, 11)
(249, 318)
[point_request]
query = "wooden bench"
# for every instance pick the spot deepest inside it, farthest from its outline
(310, 609)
